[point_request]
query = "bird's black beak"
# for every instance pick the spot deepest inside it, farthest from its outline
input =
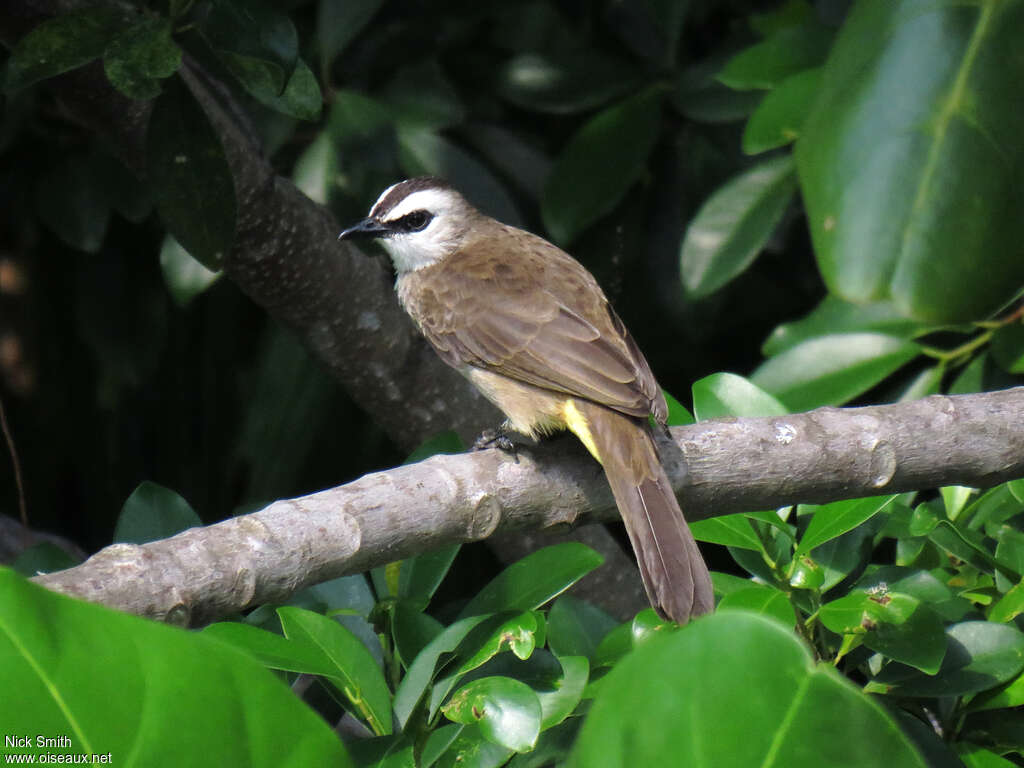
(365, 228)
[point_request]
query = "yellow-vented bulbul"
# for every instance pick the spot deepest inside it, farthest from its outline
(531, 328)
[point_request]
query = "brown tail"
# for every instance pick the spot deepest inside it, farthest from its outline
(673, 571)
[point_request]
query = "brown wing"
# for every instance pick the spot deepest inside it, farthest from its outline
(543, 320)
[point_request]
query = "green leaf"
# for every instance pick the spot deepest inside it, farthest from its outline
(191, 180)
(722, 395)
(831, 370)
(599, 165)
(61, 44)
(979, 757)
(185, 277)
(914, 134)
(44, 557)
(355, 671)
(689, 699)
(734, 224)
(966, 545)
(519, 633)
(765, 600)
(115, 683)
(421, 672)
(471, 749)
(835, 519)
(1010, 694)
(563, 81)
(270, 649)
(1008, 348)
(443, 442)
(792, 13)
(558, 704)
(1009, 606)
(768, 63)
(413, 631)
(980, 655)
(575, 627)
(141, 56)
(779, 119)
(955, 497)
(532, 581)
(678, 416)
(424, 152)
(300, 99)
(703, 99)
(339, 22)
(257, 43)
(727, 530)
(153, 512)
(507, 711)
(896, 625)
(833, 315)
(420, 576)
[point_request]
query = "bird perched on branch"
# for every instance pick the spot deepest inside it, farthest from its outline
(532, 329)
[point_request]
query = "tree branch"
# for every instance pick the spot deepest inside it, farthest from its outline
(731, 466)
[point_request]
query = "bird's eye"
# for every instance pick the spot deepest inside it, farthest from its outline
(416, 221)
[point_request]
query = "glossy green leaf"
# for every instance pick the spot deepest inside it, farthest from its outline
(968, 546)
(44, 557)
(115, 683)
(979, 757)
(425, 152)
(599, 165)
(768, 63)
(835, 519)
(980, 655)
(255, 40)
(301, 97)
(141, 56)
(339, 22)
(506, 710)
(722, 395)
(727, 530)
(831, 370)
(518, 633)
(471, 749)
(955, 497)
(576, 628)
(355, 671)
(896, 625)
(61, 44)
(443, 442)
(421, 672)
(184, 276)
(806, 573)
(700, 97)
(532, 581)
(735, 689)
(153, 512)
(779, 119)
(413, 631)
(422, 575)
(563, 81)
(910, 162)
(765, 600)
(190, 177)
(833, 315)
(1008, 348)
(678, 415)
(1010, 605)
(270, 648)
(558, 704)
(734, 224)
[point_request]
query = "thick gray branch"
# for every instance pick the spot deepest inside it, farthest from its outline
(732, 466)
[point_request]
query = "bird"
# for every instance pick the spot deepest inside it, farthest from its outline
(530, 327)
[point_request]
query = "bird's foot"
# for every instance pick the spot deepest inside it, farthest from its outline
(497, 438)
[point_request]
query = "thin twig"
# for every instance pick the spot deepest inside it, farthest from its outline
(22, 507)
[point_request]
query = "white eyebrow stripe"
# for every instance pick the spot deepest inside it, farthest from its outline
(373, 210)
(433, 200)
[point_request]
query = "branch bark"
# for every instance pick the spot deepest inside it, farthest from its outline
(722, 467)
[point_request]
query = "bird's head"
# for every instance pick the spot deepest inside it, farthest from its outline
(418, 222)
